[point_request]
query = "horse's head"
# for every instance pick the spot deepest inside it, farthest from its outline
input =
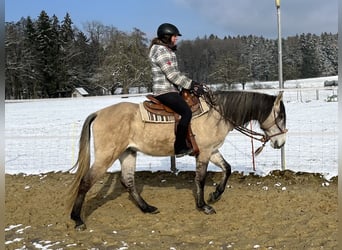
(275, 124)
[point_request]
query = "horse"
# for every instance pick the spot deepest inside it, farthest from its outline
(119, 133)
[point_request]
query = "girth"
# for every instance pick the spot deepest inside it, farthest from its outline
(154, 106)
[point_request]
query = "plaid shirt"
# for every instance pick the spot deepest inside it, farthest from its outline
(165, 72)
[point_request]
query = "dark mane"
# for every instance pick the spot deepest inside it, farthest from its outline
(240, 107)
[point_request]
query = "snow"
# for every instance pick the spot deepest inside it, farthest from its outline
(42, 135)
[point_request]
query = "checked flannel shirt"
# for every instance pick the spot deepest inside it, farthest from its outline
(165, 73)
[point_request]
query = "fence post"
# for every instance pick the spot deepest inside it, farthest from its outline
(280, 71)
(173, 164)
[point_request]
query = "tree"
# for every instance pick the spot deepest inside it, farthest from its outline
(29, 62)
(226, 71)
(292, 58)
(69, 57)
(310, 66)
(47, 53)
(327, 54)
(125, 63)
(13, 68)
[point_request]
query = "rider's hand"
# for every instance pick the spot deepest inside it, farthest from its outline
(197, 88)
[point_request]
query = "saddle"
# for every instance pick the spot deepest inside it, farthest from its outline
(154, 106)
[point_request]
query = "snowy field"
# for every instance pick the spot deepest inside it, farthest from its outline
(42, 135)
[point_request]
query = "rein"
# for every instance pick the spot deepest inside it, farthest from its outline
(252, 134)
(264, 138)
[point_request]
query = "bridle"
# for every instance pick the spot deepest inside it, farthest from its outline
(272, 123)
(264, 138)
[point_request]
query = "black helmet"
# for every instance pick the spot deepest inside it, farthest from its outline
(167, 29)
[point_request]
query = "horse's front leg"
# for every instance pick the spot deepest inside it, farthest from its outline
(201, 173)
(128, 166)
(219, 161)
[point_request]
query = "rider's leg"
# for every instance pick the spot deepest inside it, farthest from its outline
(174, 101)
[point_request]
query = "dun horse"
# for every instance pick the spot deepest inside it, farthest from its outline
(119, 133)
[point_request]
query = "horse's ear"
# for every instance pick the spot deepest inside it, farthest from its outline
(279, 98)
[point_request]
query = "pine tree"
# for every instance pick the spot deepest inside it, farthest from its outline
(310, 66)
(47, 45)
(292, 58)
(29, 61)
(328, 54)
(67, 57)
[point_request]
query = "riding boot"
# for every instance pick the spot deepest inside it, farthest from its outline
(180, 145)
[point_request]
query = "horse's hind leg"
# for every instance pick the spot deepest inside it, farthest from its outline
(93, 174)
(218, 160)
(76, 210)
(128, 165)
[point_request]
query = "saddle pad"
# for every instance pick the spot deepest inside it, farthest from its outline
(147, 116)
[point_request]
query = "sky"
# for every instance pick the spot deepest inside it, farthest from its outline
(194, 18)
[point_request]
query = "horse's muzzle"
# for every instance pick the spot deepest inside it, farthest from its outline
(277, 144)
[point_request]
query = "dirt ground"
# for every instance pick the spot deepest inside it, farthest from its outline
(284, 210)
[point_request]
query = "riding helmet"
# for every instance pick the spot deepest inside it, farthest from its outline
(167, 29)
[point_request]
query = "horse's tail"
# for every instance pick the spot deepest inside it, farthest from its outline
(82, 164)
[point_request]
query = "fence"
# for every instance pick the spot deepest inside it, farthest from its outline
(42, 136)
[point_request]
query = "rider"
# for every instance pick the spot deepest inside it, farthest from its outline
(168, 81)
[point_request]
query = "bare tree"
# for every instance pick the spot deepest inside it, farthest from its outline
(125, 63)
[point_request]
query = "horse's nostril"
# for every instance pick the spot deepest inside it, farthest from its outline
(276, 144)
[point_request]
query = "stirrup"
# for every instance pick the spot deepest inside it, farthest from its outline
(184, 152)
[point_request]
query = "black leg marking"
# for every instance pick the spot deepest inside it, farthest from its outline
(128, 163)
(218, 160)
(201, 173)
(77, 208)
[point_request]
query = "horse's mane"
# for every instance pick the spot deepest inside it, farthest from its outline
(240, 107)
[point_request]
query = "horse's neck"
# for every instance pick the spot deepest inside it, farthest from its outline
(241, 108)
(222, 124)
(241, 117)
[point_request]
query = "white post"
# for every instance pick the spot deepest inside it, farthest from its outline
(280, 72)
(280, 59)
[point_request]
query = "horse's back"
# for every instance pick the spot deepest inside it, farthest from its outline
(119, 108)
(116, 117)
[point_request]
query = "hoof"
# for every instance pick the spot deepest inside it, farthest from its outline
(213, 198)
(208, 209)
(150, 210)
(80, 227)
(155, 211)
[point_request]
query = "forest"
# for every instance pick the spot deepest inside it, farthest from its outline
(49, 58)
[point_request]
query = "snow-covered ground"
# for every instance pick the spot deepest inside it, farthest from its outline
(42, 135)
